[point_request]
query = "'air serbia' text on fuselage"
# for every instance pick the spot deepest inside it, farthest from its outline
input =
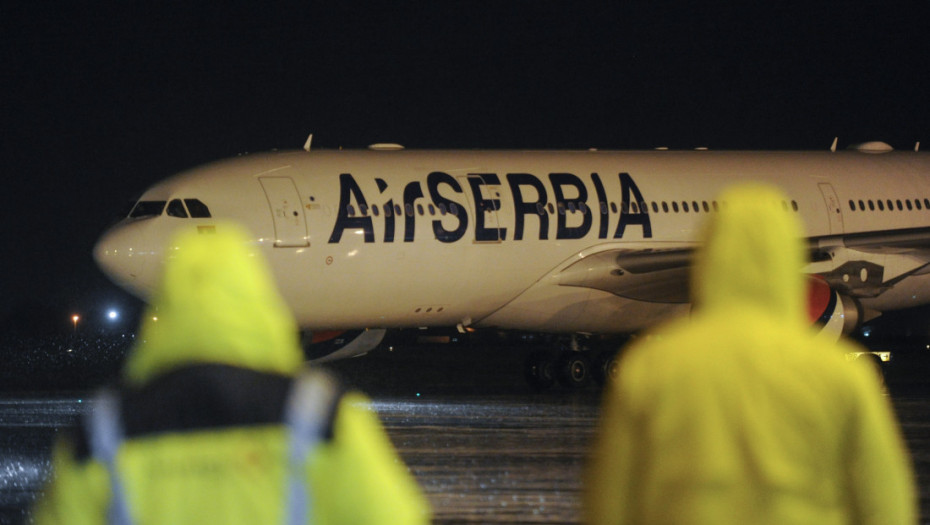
(530, 199)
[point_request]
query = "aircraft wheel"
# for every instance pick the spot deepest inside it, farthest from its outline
(607, 367)
(539, 370)
(574, 369)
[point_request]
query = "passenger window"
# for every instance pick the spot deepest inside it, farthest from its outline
(684, 206)
(917, 203)
(388, 210)
(420, 209)
(675, 206)
(694, 206)
(147, 209)
(706, 207)
(898, 202)
(890, 205)
(409, 209)
(375, 210)
(908, 204)
(176, 209)
(881, 206)
(861, 206)
(655, 207)
(197, 209)
(665, 206)
(852, 205)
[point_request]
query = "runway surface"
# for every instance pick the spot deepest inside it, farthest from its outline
(504, 455)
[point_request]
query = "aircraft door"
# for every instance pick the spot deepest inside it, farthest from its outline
(487, 199)
(834, 211)
(290, 225)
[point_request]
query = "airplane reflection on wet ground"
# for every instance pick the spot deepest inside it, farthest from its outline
(504, 455)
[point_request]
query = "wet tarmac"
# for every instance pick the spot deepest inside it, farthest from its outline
(484, 448)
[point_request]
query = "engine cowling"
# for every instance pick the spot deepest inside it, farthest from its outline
(320, 347)
(835, 313)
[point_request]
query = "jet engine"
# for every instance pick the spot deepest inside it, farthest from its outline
(835, 313)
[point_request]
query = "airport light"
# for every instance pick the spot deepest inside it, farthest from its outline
(74, 319)
(112, 315)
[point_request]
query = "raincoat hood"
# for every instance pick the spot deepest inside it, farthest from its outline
(751, 256)
(216, 303)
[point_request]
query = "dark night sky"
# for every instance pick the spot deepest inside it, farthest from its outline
(101, 100)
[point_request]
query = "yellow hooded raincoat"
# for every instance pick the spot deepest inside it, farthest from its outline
(739, 415)
(223, 334)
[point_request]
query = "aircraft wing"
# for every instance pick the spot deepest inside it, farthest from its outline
(870, 263)
(651, 275)
(859, 265)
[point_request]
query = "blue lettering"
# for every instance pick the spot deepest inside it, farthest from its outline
(485, 207)
(563, 231)
(347, 189)
(522, 207)
(442, 234)
(412, 192)
(603, 211)
(630, 193)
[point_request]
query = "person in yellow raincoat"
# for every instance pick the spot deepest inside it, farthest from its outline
(215, 421)
(739, 414)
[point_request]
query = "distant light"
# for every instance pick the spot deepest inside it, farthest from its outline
(112, 315)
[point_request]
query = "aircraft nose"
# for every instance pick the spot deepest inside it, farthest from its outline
(118, 255)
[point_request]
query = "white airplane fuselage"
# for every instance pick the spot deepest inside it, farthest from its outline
(561, 242)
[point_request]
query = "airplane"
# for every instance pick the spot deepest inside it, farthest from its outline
(556, 242)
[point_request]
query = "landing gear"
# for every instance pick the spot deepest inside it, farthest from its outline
(574, 369)
(571, 369)
(606, 367)
(572, 365)
(539, 370)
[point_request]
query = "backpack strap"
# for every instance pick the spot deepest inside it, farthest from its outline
(308, 413)
(105, 435)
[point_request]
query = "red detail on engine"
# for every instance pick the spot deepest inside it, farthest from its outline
(818, 297)
(319, 337)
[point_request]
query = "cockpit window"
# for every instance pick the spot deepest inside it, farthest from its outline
(197, 208)
(147, 209)
(176, 209)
